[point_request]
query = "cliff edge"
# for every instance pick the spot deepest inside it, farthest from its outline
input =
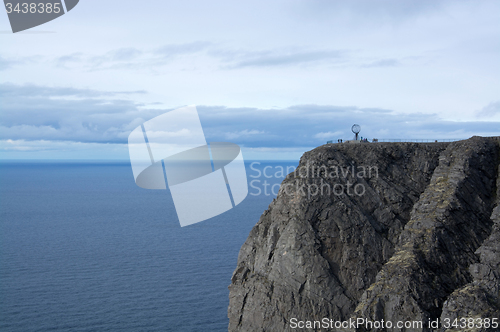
(392, 232)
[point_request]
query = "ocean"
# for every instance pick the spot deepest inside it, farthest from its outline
(82, 248)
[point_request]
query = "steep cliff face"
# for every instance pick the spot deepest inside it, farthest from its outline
(393, 231)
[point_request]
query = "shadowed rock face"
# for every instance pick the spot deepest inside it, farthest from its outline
(393, 231)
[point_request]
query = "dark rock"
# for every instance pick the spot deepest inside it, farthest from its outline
(480, 298)
(410, 235)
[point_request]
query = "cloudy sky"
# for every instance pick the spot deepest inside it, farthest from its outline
(276, 77)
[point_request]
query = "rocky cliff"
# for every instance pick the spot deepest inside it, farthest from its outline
(376, 232)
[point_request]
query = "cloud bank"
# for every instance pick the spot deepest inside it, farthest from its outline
(34, 117)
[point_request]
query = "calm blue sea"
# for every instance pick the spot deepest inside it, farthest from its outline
(82, 248)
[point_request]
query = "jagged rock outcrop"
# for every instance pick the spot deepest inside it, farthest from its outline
(393, 231)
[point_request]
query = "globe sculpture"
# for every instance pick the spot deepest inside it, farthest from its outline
(356, 128)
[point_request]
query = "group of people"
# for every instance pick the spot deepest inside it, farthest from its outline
(340, 140)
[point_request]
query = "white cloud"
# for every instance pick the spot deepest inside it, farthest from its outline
(492, 109)
(382, 63)
(130, 58)
(46, 149)
(166, 134)
(242, 133)
(328, 135)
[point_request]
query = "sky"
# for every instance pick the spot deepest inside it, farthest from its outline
(276, 77)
